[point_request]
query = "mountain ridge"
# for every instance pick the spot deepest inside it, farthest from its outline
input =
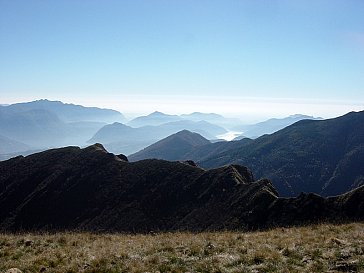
(172, 147)
(121, 138)
(69, 112)
(90, 189)
(308, 153)
(270, 126)
(322, 156)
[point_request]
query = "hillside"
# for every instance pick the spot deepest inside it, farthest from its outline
(172, 147)
(322, 156)
(90, 189)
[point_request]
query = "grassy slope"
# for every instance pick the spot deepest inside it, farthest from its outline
(306, 249)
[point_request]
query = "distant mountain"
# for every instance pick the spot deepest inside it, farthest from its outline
(91, 189)
(8, 145)
(37, 127)
(44, 124)
(220, 120)
(270, 126)
(68, 112)
(158, 118)
(322, 156)
(204, 128)
(153, 119)
(161, 149)
(198, 116)
(120, 138)
(172, 147)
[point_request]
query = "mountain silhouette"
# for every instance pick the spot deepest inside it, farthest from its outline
(154, 119)
(172, 147)
(43, 124)
(90, 189)
(8, 145)
(68, 112)
(321, 156)
(36, 127)
(228, 123)
(121, 138)
(269, 126)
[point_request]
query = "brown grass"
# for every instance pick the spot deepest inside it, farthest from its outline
(317, 248)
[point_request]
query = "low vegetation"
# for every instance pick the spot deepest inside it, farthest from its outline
(317, 248)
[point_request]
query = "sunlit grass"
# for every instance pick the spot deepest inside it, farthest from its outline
(317, 248)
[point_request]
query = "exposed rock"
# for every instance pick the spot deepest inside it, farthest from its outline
(190, 162)
(123, 157)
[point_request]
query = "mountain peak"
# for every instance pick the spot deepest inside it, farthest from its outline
(157, 113)
(172, 147)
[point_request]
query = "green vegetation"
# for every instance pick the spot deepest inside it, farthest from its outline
(317, 248)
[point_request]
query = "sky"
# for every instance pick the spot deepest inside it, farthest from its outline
(250, 59)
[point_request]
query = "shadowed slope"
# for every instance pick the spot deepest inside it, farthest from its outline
(173, 147)
(319, 156)
(91, 189)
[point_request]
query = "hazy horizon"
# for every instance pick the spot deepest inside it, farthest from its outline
(246, 59)
(256, 109)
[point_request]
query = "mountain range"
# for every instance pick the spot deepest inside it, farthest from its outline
(121, 138)
(90, 189)
(321, 156)
(269, 126)
(10, 146)
(157, 118)
(43, 124)
(67, 112)
(154, 119)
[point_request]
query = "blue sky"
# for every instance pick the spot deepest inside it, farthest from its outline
(232, 57)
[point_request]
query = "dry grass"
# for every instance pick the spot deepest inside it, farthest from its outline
(319, 248)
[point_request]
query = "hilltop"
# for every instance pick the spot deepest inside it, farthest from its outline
(173, 147)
